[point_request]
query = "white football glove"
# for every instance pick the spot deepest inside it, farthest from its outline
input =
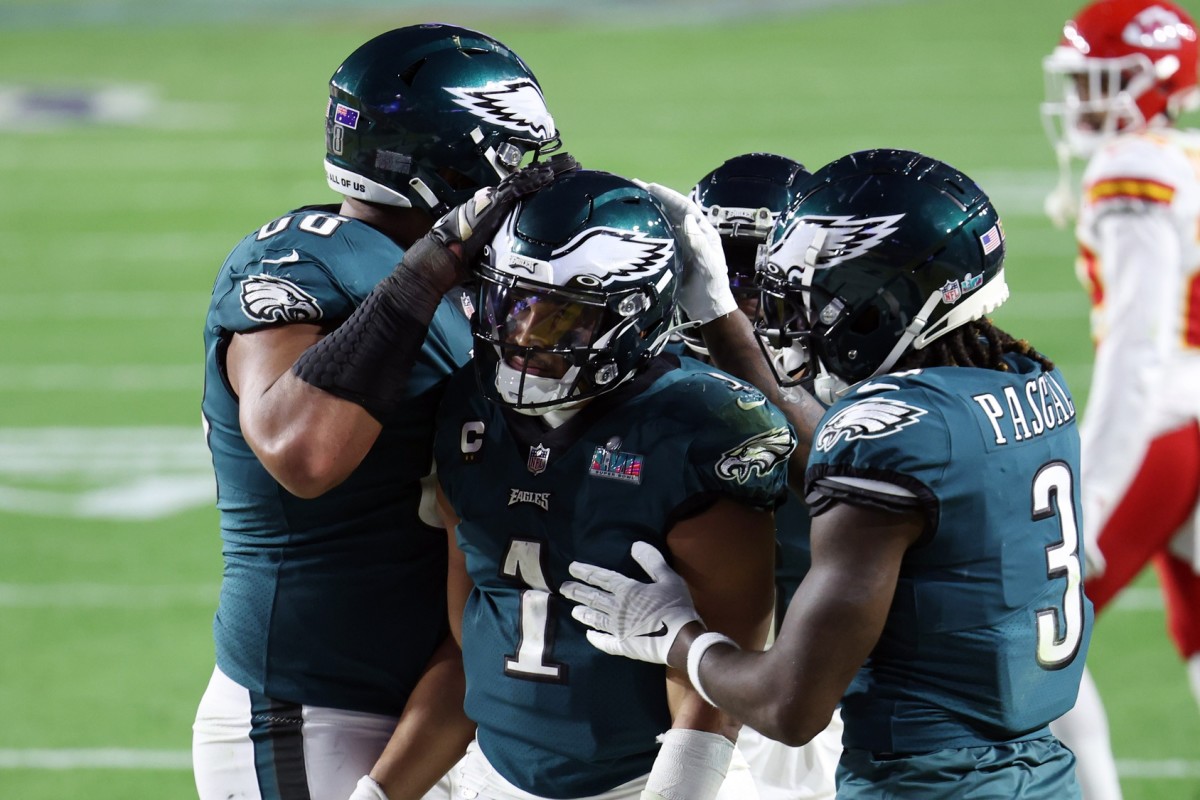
(631, 618)
(704, 293)
(1095, 514)
(368, 789)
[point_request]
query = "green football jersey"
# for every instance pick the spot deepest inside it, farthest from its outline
(556, 716)
(340, 600)
(987, 635)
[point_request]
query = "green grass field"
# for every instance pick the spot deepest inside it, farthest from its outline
(111, 231)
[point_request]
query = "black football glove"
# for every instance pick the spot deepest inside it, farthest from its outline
(473, 224)
(368, 358)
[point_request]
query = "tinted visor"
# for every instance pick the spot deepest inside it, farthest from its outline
(740, 255)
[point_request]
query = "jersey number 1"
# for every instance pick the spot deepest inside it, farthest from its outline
(531, 661)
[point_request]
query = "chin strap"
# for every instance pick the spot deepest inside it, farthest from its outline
(829, 388)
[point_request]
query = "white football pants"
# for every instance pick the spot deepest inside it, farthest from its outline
(283, 751)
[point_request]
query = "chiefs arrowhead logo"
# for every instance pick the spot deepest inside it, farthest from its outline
(1154, 28)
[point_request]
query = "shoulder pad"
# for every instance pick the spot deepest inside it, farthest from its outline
(1145, 169)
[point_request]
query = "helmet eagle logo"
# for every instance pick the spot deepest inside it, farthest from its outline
(847, 237)
(515, 104)
(619, 255)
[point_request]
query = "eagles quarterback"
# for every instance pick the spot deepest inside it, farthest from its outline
(944, 607)
(328, 343)
(572, 436)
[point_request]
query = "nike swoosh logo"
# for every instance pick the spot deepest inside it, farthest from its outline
(662, 631)
(746, 405)
(869, 387)
(290, 258)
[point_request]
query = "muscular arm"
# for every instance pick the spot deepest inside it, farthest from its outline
(727, 557)
(458, 580)
(733, 347)
(434, 731)
(309, 440)
(788, 693)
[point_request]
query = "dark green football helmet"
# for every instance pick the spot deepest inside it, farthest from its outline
(743, 199)
(577, 293)
(424, 116)
(885, 251)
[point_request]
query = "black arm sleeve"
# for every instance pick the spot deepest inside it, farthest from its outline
(369, 357)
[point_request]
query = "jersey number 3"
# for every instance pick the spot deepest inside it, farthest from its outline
(1053, 495)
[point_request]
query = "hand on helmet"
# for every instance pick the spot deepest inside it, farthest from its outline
(704, 293)
(631, 618)
(472, 225)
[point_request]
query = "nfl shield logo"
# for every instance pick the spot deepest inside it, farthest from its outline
(951, 292)
(538, 456)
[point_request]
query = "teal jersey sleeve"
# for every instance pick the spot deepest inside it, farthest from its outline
(292, 270)
(741, 443)
(989, 608)
(337, 600)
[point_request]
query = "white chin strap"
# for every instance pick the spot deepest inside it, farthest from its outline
(828, 388)
(695, 342)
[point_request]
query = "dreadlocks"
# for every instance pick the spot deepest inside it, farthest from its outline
(976, 344)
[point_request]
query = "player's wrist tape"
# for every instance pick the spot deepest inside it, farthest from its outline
(368, 789)
(696, 652)
(690, 765)
(369, 357)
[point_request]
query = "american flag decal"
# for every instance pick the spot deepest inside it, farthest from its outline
(991, 240)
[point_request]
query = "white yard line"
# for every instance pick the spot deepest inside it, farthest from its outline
(91, 378)
(104, 596)
(102, 305)
(1139, 598)
(97, 758)
(1171, 768)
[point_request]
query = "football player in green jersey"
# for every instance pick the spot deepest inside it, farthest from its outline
(572, 436)
(743, 198)
(328, 342)
(944, 607)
